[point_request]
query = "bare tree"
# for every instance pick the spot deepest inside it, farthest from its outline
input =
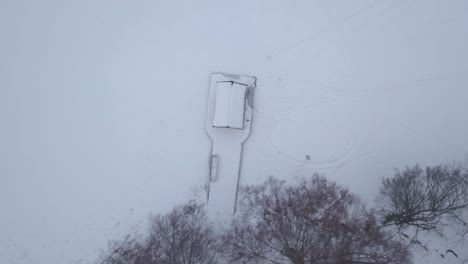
(183, 236)
(129, 250)
(313, 222)
(427, 200)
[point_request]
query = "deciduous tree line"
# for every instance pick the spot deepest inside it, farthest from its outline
(312, 221)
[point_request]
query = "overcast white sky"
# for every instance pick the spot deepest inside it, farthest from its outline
(103, 104)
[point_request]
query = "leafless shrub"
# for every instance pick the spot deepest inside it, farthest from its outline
(129, 250)
(428, 200)
(183, 236)
(313, 222)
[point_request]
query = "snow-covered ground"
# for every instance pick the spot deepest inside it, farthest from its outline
(103, 104)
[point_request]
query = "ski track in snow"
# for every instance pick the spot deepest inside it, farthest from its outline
(335, 160)
(325, 97)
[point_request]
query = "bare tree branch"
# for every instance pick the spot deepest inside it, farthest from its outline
(183, 236)
(426, 200)
(315, 221)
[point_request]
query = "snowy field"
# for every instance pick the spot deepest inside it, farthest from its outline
(103, 105)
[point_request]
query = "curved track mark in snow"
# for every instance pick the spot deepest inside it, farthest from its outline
(303, 162)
